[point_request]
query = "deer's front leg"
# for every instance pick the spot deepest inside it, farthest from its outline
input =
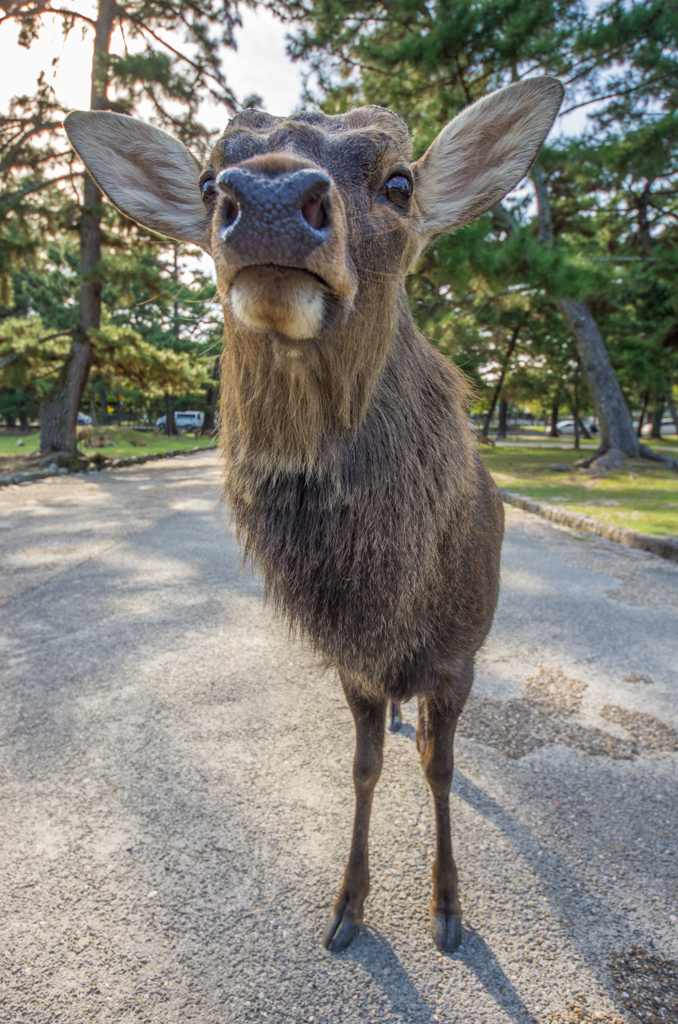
(435, 734)
(347, 913)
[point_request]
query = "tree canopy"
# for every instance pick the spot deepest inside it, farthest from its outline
(602, 243)
(68, 259)
(560, 295)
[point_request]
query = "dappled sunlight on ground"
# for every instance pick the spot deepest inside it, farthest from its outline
(74, 518)
(178, 795)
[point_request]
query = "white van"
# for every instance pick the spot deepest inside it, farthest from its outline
(184, 420)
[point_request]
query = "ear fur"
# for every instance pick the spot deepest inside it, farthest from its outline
(151, 177)
(483, 153)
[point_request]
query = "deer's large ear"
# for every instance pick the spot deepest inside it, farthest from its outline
(151, 177)
(483, 153)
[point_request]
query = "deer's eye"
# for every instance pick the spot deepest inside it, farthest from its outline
(207, 190)
(398, 190)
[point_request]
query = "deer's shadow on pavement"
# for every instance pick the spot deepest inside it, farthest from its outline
(405, 999)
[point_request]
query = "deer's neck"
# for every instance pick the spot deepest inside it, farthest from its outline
(316, 423)
(286, 408)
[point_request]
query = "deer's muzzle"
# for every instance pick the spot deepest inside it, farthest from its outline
(280, 246)
(277, 219)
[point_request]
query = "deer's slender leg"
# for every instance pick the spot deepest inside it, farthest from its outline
(347, 913)
(438, 721)
(395, 717)
(420, 738)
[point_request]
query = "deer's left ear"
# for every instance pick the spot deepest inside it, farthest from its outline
(483, 153)
(151, 177)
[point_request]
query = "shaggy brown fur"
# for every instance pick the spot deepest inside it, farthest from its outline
(352, 475)
(356, 546)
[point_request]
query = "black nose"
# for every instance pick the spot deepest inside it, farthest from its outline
(273, 219)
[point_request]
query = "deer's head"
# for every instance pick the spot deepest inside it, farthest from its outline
(313, 222)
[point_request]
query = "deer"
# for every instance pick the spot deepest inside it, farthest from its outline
(83, 436)
(352, 477)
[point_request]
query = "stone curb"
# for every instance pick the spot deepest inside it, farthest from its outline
(661, 546)
(32, 476)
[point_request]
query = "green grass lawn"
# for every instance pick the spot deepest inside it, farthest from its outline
(8, 444)
(122, 440)
(643, 496)
(121, 437)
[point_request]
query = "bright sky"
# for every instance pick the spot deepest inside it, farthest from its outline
(259, 65)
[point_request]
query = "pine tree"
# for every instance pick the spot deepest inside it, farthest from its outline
(427, 60)
(36, 158)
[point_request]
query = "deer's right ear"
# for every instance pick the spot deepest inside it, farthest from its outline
(150, 177)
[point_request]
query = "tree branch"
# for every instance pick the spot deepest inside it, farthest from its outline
(39, 9)
(177, 53)
(19, 193)
(544, 220)
(505, 219)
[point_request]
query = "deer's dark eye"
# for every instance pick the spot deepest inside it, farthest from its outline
(207, 190)
(398, 190)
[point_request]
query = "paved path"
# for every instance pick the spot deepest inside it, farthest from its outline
(176, 796)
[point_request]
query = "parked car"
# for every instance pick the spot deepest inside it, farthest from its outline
(668, 427)
(183, 420)
(567, 427)
(83, 421)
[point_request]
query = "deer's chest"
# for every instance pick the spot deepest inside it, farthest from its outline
(350, 562)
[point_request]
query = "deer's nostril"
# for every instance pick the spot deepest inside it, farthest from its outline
(314, 213)
(230, 211)
(229, 216)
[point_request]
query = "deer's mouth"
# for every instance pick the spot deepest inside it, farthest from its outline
(290, 300)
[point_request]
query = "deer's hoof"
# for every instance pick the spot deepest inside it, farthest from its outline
(394, 719)
(446, 932)
(339, 933)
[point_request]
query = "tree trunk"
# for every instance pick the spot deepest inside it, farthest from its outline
(118, 411)
(93, 406)
(553, 431)
(643, 223)
(502, 429)
(500, 383)
(672, 407)
(583, 429)
(657, 419)
(60, 409)
(616, 425)
(580, 427)
(642, 413)
(490, 412)
(212, 395)
(169, 417)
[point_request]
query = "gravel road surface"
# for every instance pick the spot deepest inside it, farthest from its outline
(176, 796)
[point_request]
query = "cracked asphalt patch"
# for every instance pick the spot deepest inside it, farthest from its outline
(176, 794)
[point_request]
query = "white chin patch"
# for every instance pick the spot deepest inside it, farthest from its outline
(288, 301)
